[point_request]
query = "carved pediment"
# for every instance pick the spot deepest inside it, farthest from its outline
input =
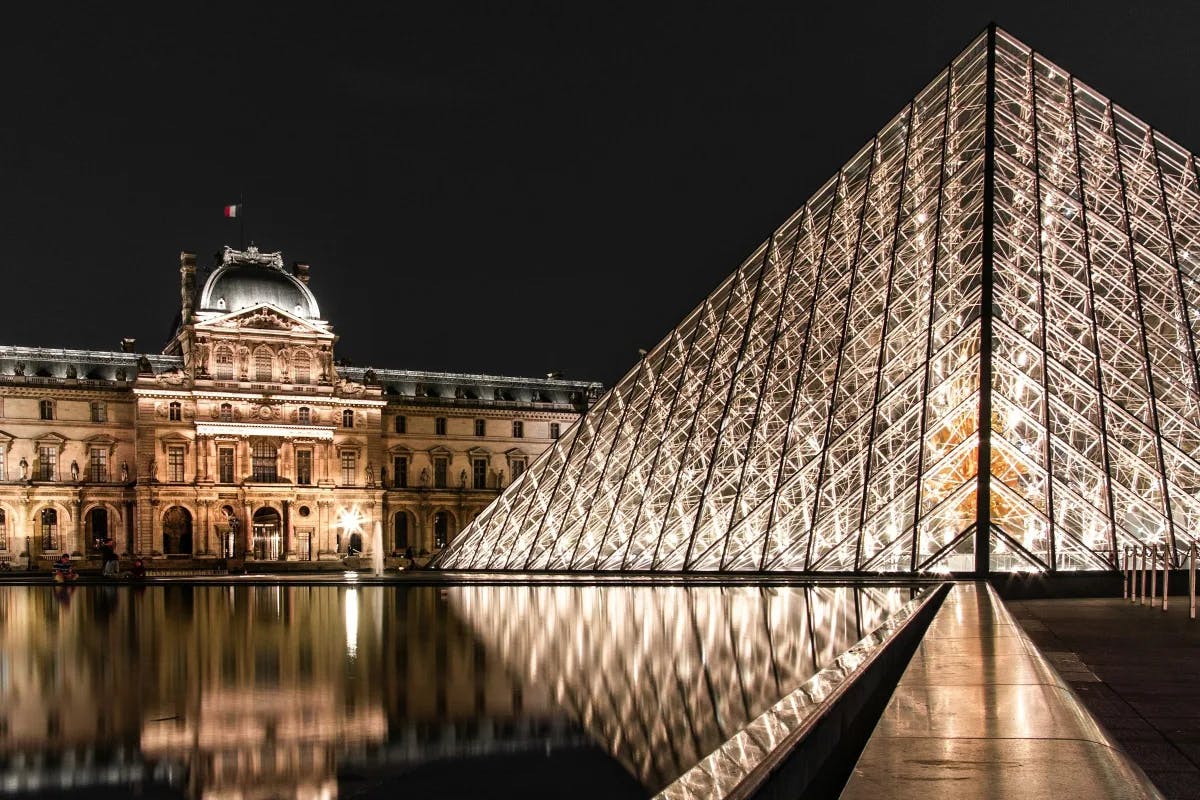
(265, 318)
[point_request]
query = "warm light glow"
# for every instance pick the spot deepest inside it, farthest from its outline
(352, 623)
(351, 520)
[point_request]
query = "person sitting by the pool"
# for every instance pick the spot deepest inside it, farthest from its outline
(138, 570)
(63, 571)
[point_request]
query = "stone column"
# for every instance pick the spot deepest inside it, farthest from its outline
(76, 514)
(247, 526)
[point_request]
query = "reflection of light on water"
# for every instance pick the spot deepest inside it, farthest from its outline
(352, 622)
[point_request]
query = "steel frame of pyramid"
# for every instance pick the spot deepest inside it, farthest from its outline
(822, 411)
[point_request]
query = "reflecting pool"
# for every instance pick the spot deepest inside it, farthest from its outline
(299, 691)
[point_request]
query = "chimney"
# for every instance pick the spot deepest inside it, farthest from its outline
(187, 284)
(300, 270)
(128, 345)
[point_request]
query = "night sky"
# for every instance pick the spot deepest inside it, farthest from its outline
(501, 188)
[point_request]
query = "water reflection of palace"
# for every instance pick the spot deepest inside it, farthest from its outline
(292, 691)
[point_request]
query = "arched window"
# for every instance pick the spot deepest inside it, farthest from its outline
(264, 361)
(304, 415)
(226, 412)
(49, 522)
(224, 359)
(301, 367)
(176, 411)
(3, 530)
(348, 418)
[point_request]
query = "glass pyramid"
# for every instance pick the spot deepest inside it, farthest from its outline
(821, 411)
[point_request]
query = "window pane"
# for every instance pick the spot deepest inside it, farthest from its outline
(480, 427)
(225, 465)
(175, 464)
(263, 462)
(440, 468)
(348, 464)
(304, 467)
(479, 473)
(47, 463)
(400, 471)
(98, 465)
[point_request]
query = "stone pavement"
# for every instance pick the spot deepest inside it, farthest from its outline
(978, 713)
(1137, 669)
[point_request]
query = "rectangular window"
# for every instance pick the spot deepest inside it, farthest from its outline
(175, 464)
(264, 460)
(98, 465)
(518, 429)
(401, 424)
(175, 412)
(441, 467)
(47, 463)
(479, 473)
(348, 467)
(518, 467)
(553, 430)
(46, 409)
(225, 465)
(99, 412)
(304, 467)
(3, 471)
(439, 426)
(348, 418)
(480, 427)
(400, 472)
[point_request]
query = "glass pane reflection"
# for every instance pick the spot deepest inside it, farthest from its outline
(316, 691)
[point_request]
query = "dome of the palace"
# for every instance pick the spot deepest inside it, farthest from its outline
(250, 279)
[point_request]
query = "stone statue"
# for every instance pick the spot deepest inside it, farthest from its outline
(370, 474)
(143, 365)
(425, 476)
(383, 475)
(124, 472)
(462, 479)
(19, 369)
(24, 465)
(74, 470)
(500, 479)
(151, 467)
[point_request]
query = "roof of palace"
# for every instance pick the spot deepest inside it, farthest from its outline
(247, 279)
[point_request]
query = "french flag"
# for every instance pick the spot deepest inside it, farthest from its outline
(232, 212)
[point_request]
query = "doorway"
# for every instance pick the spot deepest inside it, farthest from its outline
(268, 534)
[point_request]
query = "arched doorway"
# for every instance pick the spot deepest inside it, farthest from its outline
(268, 534)
(96, 525)
(177, 531)
(443, 527)
(228, 532)
(401, 531)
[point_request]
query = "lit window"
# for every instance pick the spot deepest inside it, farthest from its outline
(175, 412)
(175, 464)
(225, 465)
(263, 362)
(480, 427)
(518, 429)
(441, 466)
(301, 367)
(554, 430)
(348, 418)
(304, 467)
(401, 424)
(46, 409)
(226, 412)
(304, 415)
(47, 463)
(99, 412)
(224, 359)
(348, 467)
(49, 525)
(98, 465)
(264, 459)
(439, 426)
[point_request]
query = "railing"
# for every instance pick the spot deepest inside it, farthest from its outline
(1140, 570)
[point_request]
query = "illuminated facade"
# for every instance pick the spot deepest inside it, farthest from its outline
(245, 438)
(973, 349)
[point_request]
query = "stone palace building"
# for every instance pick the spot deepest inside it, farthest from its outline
(245, 438)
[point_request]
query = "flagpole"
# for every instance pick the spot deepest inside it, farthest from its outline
(241, 223)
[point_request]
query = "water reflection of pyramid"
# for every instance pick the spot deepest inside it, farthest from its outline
(1010, 229)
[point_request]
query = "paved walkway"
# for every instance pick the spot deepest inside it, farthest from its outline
(1137, 669)
(979, 713)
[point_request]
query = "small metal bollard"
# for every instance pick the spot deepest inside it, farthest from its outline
(1153, 575)
(1126, 574)
(1166, 573)
(1142, 577)
(1192, 578)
